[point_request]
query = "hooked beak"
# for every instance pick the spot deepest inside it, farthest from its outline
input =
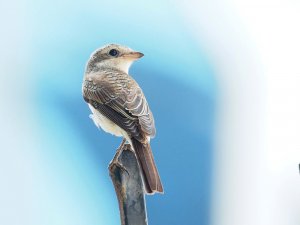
(133, 55)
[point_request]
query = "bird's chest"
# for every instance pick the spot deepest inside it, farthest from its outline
(106, 124)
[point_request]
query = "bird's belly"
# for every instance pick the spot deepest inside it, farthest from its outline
(106, 124)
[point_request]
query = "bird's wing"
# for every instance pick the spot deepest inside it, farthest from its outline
(119, 98)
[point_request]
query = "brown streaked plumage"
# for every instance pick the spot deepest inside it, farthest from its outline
(120, 107)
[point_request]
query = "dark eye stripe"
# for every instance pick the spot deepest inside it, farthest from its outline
(113, 52)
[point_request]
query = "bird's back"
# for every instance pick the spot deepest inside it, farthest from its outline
(122, 93)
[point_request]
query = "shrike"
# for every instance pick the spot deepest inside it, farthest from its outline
(119, 106)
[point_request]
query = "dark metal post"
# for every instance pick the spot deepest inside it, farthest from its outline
(125, 174)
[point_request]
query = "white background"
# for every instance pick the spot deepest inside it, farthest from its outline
(255, 46)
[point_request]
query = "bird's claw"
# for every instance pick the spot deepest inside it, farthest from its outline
(119, 165)
(122, 168)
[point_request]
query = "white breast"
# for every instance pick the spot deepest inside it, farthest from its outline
(106, 125)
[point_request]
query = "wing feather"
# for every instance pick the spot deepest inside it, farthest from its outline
(120, 99)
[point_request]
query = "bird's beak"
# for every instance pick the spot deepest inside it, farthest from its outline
(133, 55)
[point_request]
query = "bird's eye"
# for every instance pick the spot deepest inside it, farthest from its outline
(113, 52)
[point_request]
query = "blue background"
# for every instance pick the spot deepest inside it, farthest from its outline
(70, 182)
(221, 78)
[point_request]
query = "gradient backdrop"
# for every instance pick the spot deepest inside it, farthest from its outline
(211, 76)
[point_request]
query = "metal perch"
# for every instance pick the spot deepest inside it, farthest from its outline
(125, 174)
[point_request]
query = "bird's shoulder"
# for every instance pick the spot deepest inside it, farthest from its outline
(111, 78)
(106, 86)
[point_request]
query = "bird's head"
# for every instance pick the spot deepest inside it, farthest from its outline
(112, 56)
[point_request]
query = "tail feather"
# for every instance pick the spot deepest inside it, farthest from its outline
(150, 174)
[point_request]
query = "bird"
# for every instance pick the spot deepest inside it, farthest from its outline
(119, 106)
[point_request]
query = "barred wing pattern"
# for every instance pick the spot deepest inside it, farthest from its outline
(117, 96)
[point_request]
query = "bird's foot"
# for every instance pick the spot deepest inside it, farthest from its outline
(115, 160)
(120, 166)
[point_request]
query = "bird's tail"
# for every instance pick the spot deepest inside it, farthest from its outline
(150, 174)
